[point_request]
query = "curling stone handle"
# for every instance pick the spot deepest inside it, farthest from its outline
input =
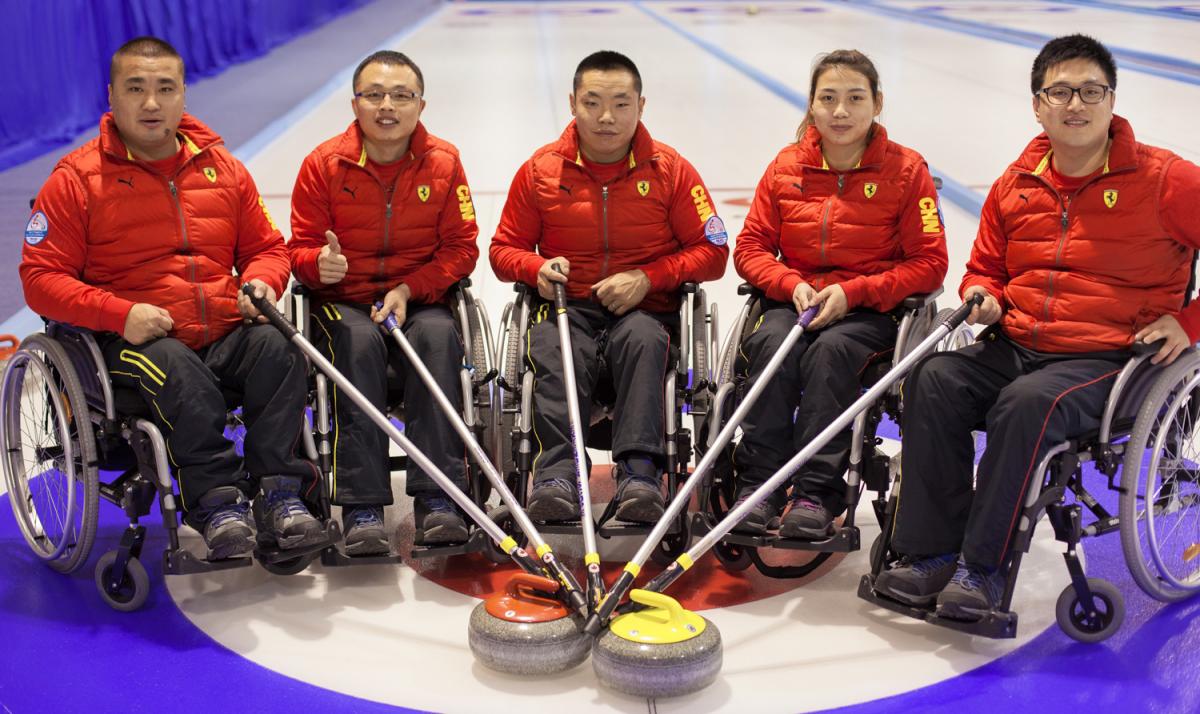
(270, 312)
(664, 606)
(389, 322)
(532, 588)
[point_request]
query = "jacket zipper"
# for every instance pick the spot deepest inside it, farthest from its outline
(604, 229)
(191, 260)
(825, 216)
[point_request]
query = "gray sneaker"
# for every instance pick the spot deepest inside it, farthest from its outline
(365, 530)
(916, 581)
(973, 591)
(227, 530)
(283, 519)
(761, 518)
(437, 520)
(639, 499)
(554, 499)
(806, 519)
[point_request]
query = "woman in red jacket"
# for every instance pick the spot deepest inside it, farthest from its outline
(846, 220)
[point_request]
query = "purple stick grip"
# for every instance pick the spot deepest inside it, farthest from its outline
(807, 316)
(389, 323)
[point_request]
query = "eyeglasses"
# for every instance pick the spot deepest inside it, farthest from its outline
(399, 97)
(1088, 93)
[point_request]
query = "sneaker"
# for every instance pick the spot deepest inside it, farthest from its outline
(762, 517)
(228, 531)
(639, 496)
(972, 593)
(364, 529)
(554, 499)
(806, 519)
(282, 517)
(916, 581)
(437, 520)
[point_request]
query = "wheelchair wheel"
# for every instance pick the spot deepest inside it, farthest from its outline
(291, 566)
(671, 547)
(735, 558)
(1160, 479)
(131, 593)
(1092, 622)
(700, 345)
(50, 454)
(958, 338)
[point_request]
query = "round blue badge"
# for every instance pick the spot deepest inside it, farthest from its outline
(714, 231)
(37, 228)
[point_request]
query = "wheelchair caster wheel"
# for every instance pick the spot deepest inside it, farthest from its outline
(669, 548)
(1095, 621)
(291, 566)
(735, 558)
(502, 516)
(131, 592)
(875, 546)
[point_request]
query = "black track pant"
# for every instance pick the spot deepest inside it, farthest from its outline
(1028, 401)
(632, 349)
(362, 351)
(182, 388)
(822, 374)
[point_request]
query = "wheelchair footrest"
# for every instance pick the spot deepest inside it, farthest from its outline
(476, 541)
(844, 540)
(335, 558)
(995, 625)
(274, 554)
(609, 530)
(184, 562)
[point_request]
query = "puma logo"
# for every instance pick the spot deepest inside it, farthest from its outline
(351, 191)
(1023, 197)
(565, 188)
(797, 185)
(127, 181)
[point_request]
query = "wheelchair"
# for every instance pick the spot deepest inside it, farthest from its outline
(869, 467)
(686, 387)
(1148, 449)
(62, 424)
(476, 378)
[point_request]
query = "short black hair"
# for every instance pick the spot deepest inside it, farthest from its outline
(1070, 47)
(392, 59)
(144, 46)
(605, 61)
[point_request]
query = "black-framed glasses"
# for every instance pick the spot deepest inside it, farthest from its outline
(398, 96)
(1088, 93)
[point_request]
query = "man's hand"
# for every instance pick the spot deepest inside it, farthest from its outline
(394, 303)
(622, 292)
(1168, 329)
(146, 322)
(331, 264)
(247, 308)
(803, 297)
(547, 276)
(986, 313)
(832, 300)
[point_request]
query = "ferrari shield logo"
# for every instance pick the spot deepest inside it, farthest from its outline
(1110, 197)
(869, 189)
(211, 174)
(423, 192)
(643, 187)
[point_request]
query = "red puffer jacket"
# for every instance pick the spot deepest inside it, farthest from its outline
(875, 230)
(117, 232)
(421, 232)
(1084, 273)
(653, 218)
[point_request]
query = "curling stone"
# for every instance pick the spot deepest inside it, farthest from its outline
(663, 651)
(525, 630)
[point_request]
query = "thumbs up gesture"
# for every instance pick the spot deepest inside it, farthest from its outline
(331, 264)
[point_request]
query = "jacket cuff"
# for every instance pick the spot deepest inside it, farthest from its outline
(854, 289)
(113, 314)
(1189, 320)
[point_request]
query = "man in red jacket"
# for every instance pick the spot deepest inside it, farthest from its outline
(627, 220)
(1084, 247)
(383, 212)
(136, 235)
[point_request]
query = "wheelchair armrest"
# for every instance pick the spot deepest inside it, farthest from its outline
(689, 288)
(463, 284)
(521, 289)
(1147, 348)
(748, 289)
(916, 301)
(299, 288)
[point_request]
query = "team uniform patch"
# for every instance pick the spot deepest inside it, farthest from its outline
(714, 231)
(37, 228)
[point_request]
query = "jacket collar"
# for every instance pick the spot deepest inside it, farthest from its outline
(194, 134)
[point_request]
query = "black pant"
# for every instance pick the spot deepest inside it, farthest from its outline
(633, 349)
(362, 351)
(821, 374)
(1028, 401)
(182, 388)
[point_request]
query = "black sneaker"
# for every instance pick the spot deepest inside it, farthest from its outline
(639, 499)
(554, 499)
(437, 520)
(365, 531)
(761, 518)
(916, 581)
(972, 593)
(282, 517)
(228, 531)
(806, 519)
